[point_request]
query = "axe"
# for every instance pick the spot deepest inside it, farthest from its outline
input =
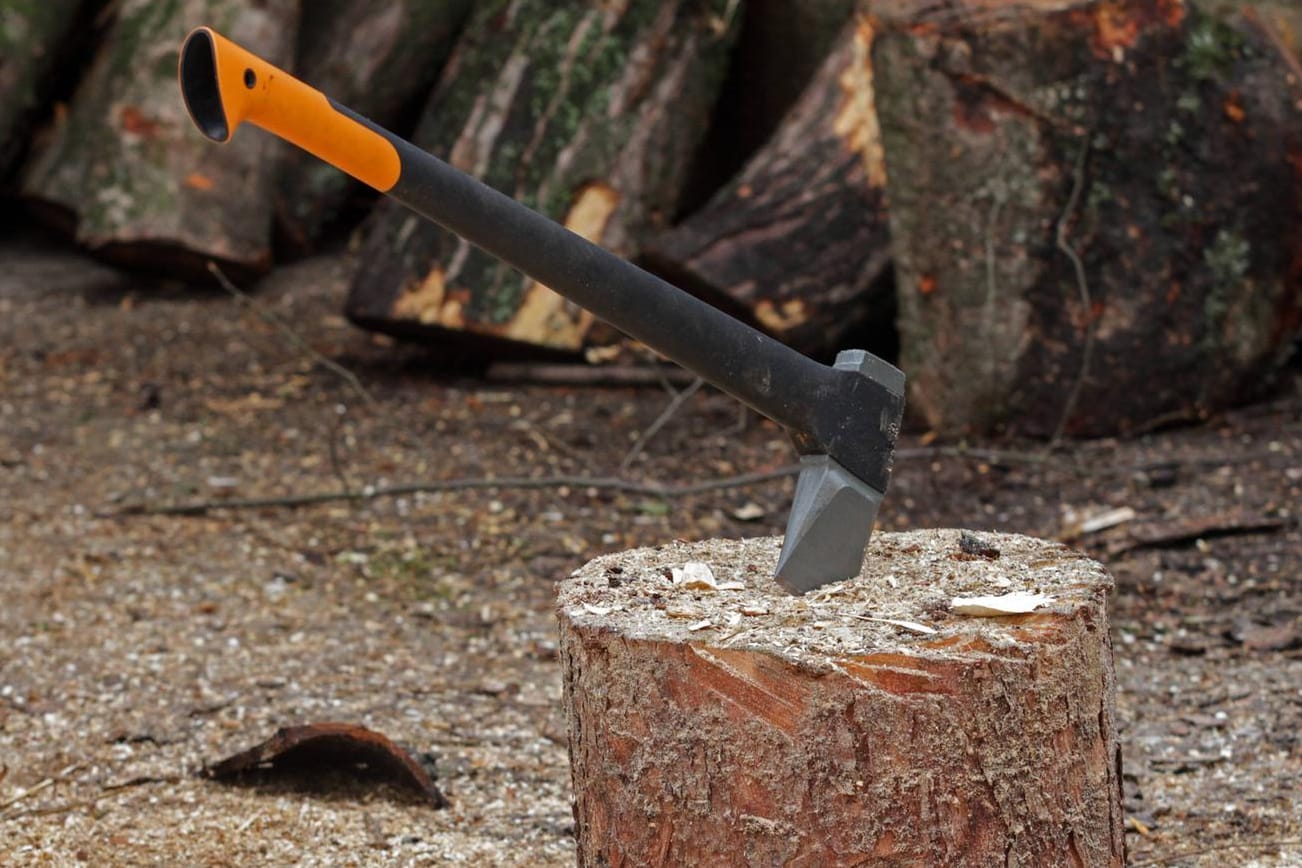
(844, 419)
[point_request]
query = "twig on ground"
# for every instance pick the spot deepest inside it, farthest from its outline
(1217, 848)
(603, 483)
(276, 322)
(675, 404)
(106, 790)
(1083, 287)
(22, 795)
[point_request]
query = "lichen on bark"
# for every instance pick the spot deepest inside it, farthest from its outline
(539, 101)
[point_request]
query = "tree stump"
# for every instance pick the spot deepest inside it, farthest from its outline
(588, 113)
(31, 35)
(1094, 210)
(125, 170)
(380, 60)
(799, 241)
(866, 723)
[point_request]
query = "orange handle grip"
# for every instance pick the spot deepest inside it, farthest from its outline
(225, 85)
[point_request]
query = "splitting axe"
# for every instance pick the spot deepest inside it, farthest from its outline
(844, 419)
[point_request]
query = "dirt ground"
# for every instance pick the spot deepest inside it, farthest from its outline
(135, 648)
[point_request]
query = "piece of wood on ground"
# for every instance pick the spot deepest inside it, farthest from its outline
(833, 728)
(32, 35)
(587, 114)
(126, 172)
(798, 242)
(1094, 210)
(378, 59)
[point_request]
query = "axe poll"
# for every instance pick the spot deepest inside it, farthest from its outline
(844, 419)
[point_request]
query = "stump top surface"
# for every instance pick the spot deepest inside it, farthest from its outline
(901, 596)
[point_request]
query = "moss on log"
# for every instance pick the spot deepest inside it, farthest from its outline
(31, 35)
(799, 241)
(126, 171)
(380, 60)
(587, 113)
(1094, 207)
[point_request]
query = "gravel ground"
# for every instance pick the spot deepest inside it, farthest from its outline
(135, 648)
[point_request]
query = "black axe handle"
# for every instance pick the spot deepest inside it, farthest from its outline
(845, 415)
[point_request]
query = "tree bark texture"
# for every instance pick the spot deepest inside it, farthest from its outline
(31, 35)
(127, 171)
(380, 60)
(588, 113)
(1094, 209)
(799, 242)
(800, 731)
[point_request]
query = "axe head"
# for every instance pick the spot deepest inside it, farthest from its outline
(833, 513)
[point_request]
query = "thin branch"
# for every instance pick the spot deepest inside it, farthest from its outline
(276, 322)
(27, 793)
(43, 785)
(105, 791)
(676, 404)
(601, 483)
(1083, 287)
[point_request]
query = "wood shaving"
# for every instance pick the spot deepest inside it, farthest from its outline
(1018, 603)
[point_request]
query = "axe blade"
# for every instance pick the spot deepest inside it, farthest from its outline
(833, 511)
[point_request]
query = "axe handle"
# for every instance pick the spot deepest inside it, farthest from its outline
(223, 85)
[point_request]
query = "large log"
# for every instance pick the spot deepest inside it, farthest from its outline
(588, 113)
(799, 240)
(126, 172)
(1094, 208)
(379, 59)
(866, 724)
(31, 36)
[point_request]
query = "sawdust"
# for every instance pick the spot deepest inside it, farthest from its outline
(908, 578)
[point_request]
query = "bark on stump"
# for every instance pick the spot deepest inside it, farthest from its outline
(1094, 207)
(799, 241)
(587, 113)
(31, 35)
(380, 60)
(126, 171)
(745, 726)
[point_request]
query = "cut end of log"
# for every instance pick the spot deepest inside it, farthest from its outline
(907, 577)
(867, 722)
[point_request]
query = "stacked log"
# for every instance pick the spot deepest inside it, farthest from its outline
(799, 241)
(380, 60)
(1094, 210)
(126, 172)
(588, 114)
(31, 37)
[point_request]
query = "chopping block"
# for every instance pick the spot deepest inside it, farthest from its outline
(715, 719)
